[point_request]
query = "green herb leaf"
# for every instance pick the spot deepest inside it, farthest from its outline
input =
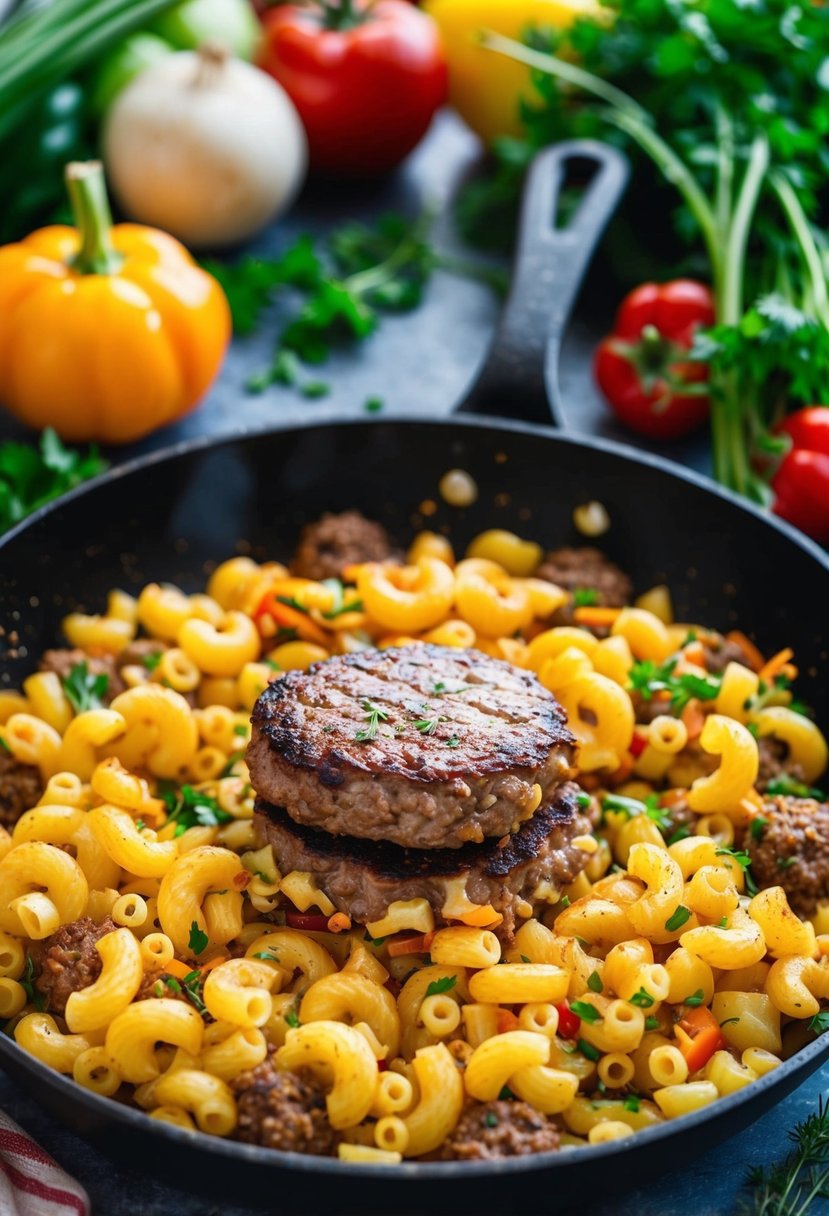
(783, 863)
(27, 982)
(373, 405)
(632, 1103)
(189, 808)
(594, 982)
(758, 827)
(696, 998)
(651, 1023)
(445, 984)
(30, 477)
(152, 659)
(588, 1013)
(198, 940)
(268, 955)
(491, 1119)
(583, 800)
(588, 1050)
(585, 597)
(820, 1022)
(642, 999)
(374, 716)
(506, 1094)
(565, 901)
(678, 919)
(83, 690)
(786, 786)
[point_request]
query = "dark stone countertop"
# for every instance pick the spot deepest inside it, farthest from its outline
(419, 364)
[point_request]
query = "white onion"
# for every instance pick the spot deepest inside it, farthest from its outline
(206, 147)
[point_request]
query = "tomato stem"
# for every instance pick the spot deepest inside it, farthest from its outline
(343, 14)
(93, 219)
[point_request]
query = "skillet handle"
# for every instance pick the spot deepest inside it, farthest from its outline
(550, 263)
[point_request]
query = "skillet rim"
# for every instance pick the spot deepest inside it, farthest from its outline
(105, 1110)
(611, 447)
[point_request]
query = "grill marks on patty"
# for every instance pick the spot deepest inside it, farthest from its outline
(422, 745)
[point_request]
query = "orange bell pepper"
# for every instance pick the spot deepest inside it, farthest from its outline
(105, 332)
(699, 1036)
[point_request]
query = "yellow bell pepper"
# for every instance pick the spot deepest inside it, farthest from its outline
(105, 332)
(485, 87)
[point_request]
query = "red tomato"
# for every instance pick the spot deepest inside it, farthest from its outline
(640, 366)
(808, 428)
(365, 78)
(801, 492)
(569, 1023)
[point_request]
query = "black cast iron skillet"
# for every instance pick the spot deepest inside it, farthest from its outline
(172, 515)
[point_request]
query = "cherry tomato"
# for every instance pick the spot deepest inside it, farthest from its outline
(640, 367)
(808, 428)
(801, 492)
(365, 78)
(569, 1023)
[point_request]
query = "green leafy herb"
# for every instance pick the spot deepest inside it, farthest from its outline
(198, 940)
(642, 999)
(588, 1013)
(787, 787)
(491, 1119)
(152, 659)
(630, 807)
(632, 1103)
(140, 825)
(723, 922)
(696, 998)
(189, 808)
(758, 827)
(588, 1050)
(373, 405)
(820, 1022)
(172, 983)
(374, 716)
(268, 955)
(651, 1023)
(292, 1018)
(678, 919)
(741, 856)
(4, 747)
(27, 982)
(353, 606)
(594, 982)
(506, 1094)
(83, 690)
(647, 678)
(30, 477)
(795, 1185)
(313, 389)
(428, 726)
(445, 984)
(585, 597)
(783, 863)
(681, 833)
(240, 729)
(453, 742)
(583, 800)
(565, 901)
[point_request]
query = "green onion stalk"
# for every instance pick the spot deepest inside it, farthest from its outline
(724, 221)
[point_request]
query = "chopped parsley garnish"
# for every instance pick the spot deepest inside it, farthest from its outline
(240, 729)
(83, 690)
(651, 1023)
(375, 941)
(565, 901)
(678, 919)
(140, 825)
(585, 597)
(682, 833)
(374, 716)
(453, 742)
(787, 786)
(151, 660)
(758, 827)
(292, 1018)
(198, 938)
(445, 984)
(525, 959)
(506, 1094)
(588, 1050)
(587, 1013)
(27, 983)
(583, 800)
(642, 999)
(190, 987)
(189, 808)
(339, 605)
(631, 807)
(696, 998)
(4, 747)
(267, 955)
(690, 636)
(632, 1102)
(491, 1119)
(820, 1022)
(783, 863)
(290, 602)
(743, 859)
(647, 678)
(594, 982)
(373, 405)
(723, 922)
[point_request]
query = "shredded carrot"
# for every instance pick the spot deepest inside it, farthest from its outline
(179, 970)
(693, 718)
(753, 657)
(418, 944)
(506, 1020)
(339, 922)
(292, 618)
(699, 1036)
(596, 617)
(775, 664)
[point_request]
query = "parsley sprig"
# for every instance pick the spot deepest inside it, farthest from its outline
(83, 689)
(32, 476)
(647, 678)
(189, 807)
(631, 807)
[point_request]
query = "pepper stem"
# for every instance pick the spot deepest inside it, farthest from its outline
(93, 219)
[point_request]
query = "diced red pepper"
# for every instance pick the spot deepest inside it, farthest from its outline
(569, 1023)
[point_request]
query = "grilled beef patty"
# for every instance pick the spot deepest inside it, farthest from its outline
(362, 879)
(424, 746)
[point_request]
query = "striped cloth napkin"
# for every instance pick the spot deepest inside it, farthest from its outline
(31, 1183)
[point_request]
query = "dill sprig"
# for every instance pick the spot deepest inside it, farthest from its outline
(792, 1186)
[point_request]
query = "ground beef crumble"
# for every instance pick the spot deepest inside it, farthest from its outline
(489, 1130)
(68, 960)
(588, 569)
(20, 788)
(792, 850)
(283, 1110)
(774, 762)
(334, 542)
(62, 662)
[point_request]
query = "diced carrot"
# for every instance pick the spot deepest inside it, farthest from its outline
(693, 718)
(699, 1036)
(775, 664)
(596, 617)
(506, 1020)
(753, 657)
(694, 653)
(417, 943)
